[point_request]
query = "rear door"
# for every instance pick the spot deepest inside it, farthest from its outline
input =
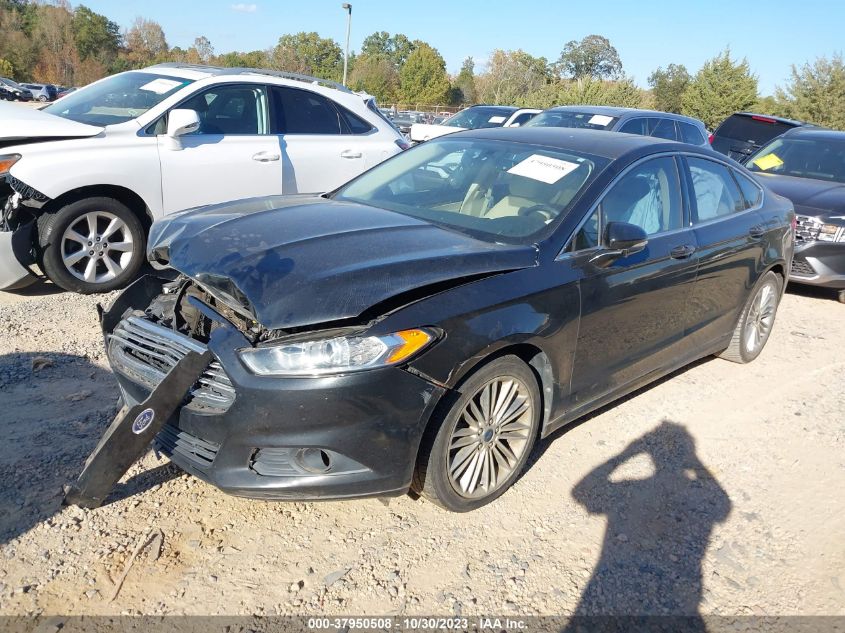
(230, 157)
(634, 309)
(323, 144)
(730, 237)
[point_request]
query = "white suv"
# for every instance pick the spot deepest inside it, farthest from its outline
(86, 176)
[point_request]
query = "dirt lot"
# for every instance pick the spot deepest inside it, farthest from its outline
(727, 499)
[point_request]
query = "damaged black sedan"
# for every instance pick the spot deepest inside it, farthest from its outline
(423, 325)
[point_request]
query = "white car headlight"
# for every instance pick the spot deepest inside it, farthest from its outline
(7, 161)
(336, 355)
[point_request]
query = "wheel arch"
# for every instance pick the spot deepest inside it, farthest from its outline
(132, 200)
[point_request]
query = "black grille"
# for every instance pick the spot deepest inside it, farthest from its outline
(200, 452)
(802, 267)
(146, 352)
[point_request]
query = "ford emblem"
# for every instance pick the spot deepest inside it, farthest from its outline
(143, 421)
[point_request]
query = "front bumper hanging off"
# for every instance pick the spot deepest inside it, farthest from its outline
(131, 433)
(15, 249)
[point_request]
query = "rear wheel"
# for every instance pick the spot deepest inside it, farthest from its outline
(756, 321)
(841, 296)
(92, 245)
(483, 441)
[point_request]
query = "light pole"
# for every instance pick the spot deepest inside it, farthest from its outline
(348, 8)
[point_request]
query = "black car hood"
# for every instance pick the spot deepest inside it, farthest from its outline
(819, 197)
(294, 261)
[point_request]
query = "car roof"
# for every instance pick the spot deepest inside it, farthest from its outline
(618, 111)
(610, 145)
(199, 71)
(812, 132)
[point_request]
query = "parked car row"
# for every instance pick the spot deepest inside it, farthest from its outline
(28, 91)
(287, 134)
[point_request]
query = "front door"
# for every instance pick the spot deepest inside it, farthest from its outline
(230, 157)
(633, 309)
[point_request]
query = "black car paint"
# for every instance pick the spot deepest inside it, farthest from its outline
(768, 128)
(545, 310)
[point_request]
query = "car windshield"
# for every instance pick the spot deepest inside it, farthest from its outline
(10, 83)
(494, 190)
(571, 118)
(479, 117)
(818, 158)
(117, 99)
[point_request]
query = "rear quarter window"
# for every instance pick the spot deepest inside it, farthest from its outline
(690, 133)
(751, 191)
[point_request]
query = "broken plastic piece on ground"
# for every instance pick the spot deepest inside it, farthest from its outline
(131, 432)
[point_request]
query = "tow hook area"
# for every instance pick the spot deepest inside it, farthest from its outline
(132, 431)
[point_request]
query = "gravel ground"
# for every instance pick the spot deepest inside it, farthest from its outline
(717, 490)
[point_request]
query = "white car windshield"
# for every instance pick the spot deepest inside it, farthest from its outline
(117, 99)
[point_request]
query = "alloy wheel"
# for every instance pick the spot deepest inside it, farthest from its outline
(761, 317)
(97, 247)
(490, 437)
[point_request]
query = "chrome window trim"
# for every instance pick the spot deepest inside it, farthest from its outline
(563, 252)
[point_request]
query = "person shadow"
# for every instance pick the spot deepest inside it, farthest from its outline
(658, 530)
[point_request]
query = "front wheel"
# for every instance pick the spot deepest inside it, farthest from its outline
(482, 442)
(91, 245)
(756, 321)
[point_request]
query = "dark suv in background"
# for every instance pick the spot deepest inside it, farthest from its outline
(15, 91)
(743, 133)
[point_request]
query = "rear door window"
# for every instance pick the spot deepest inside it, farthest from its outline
(298, 111)
(716, 192)
(758, 131)
(690, 133)
(665, 128)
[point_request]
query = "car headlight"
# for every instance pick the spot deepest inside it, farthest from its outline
(336, 355)
(7, 161)
(827, 233)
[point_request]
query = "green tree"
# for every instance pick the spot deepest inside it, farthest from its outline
(423, 77)
(622, 93)
(816, 93)
(396, 48)
(375, 75)
(722, 86)
(310, 54)
(510, 76)
(593, 57)
(6, 69)
(95, 35)
(464, 83)
(668, 87)
(253, 59)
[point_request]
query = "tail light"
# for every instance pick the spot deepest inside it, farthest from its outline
(794, 223)
(403, 144)
(710, 139)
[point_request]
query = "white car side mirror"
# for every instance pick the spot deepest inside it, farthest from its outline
(181, 122)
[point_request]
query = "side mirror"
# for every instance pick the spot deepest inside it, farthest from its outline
(622, 239)
(628, 238)
(181, 122)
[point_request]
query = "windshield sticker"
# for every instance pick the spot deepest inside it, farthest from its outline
(160, 86)
(496, 119)
(543, 168)
(600, 119)
(769, 161)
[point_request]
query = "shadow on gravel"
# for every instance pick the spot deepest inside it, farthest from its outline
(40, 288)
(658, 529)
(53, 409)
(813, 292)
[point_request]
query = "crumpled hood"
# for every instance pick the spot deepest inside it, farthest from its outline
(293, 261)
(21, 123)
(820, 197)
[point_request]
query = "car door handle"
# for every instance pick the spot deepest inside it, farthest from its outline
(756, 231)
(350, 154)
(682, 252)
(265, 157)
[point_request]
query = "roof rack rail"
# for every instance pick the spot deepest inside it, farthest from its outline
(282, 74)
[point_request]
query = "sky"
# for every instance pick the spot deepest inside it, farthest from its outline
(647, 34)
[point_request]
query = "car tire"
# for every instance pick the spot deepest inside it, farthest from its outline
(75, 247)
(756, 321)
(42, 98)
(840, 296)
(468, 459)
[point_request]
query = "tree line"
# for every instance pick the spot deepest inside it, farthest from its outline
(57, 43)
